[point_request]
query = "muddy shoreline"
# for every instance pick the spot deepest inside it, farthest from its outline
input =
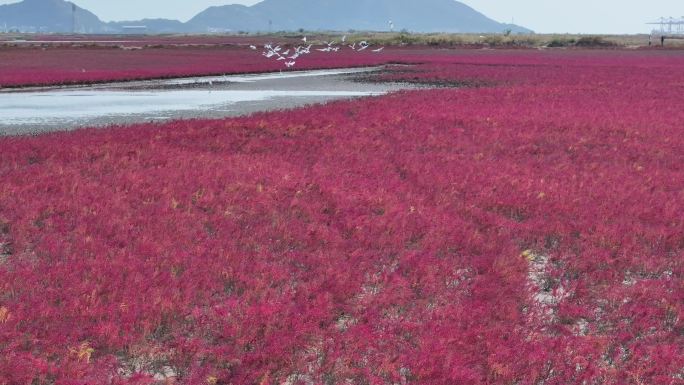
(34, 110)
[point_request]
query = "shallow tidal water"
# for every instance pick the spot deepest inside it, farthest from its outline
(44, 109)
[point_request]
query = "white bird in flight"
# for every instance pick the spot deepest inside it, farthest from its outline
(289, 55)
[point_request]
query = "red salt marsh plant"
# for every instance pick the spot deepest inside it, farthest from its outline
(524, 232)
(97, 64)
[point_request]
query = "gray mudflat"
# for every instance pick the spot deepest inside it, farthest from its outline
(35, 110)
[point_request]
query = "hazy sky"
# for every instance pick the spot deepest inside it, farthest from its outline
(585, 16)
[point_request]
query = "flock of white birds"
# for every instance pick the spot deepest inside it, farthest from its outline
(289, 56)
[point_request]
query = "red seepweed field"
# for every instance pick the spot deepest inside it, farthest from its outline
(99, 63)
(524, 227)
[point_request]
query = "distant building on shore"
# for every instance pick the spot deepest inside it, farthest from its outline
(134, 29)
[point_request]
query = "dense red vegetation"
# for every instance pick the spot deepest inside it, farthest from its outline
(147, 40)
(526, 231)
(96, 64)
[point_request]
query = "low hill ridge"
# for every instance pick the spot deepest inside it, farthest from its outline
(268, 15)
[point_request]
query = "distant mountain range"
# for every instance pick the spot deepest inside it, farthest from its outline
(266, 16)
(47, 16)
